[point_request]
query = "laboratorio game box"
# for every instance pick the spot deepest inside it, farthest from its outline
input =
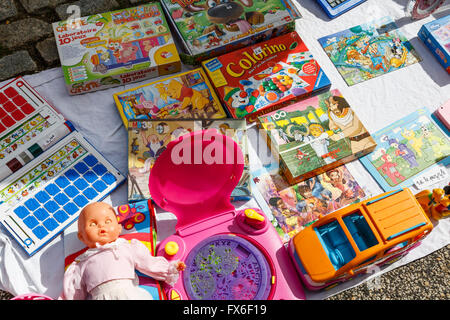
(114, 48)
(266, 76)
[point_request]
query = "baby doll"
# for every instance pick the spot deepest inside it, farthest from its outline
(106, 271)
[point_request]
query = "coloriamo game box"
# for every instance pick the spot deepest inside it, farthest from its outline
(266, 76)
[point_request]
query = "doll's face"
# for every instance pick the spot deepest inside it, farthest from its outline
(98, 224)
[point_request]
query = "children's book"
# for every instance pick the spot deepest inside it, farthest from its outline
(115, 48)
(410, 151)
(369, 50)
(292, 208)
(147, 139)
(208, 28)
(315, 135)
(264, 77)
(138, 221)
(185, 95)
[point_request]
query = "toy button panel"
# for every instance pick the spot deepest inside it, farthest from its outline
(173, 248)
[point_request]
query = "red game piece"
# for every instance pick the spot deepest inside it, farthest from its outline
(2, 128)
(9, 106)
(11, 92)
(8, 121)
(18, 115)
(27, 108)
(2, 113)
(19, 100)
(3, 98)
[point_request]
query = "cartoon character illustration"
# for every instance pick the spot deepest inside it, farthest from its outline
(228, 13)
(186, 95)
(435, 203)
(342, 117)
(317, 189)
(128, 53)
(155, 148)
(243, 99)
(432, 142)
(376, 54)
(320, 143)
(115, 45)
(388, 168)
(415, 142)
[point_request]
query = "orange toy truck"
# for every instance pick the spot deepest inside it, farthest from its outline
(347, 242)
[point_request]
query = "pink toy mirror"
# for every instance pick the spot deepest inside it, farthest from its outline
(194, 177)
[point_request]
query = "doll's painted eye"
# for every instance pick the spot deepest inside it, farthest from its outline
(108, 221)
(92, 224)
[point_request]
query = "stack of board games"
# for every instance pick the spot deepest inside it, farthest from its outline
(114, 48)
(315, 135)
(49, 172)
(264, 77)
(436, 36)
(184, 95)
(412, 151)
(208, 28)
(147, 139)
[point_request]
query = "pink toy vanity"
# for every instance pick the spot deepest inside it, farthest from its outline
(229, 253)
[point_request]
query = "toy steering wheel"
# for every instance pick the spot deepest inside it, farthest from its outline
(420, 9)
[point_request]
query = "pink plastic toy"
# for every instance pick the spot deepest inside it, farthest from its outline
(229, 253)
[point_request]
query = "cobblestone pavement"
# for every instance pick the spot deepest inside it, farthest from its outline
(27, 45)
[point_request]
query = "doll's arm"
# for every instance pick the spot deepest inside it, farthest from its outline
(156, 267)
(72, 287)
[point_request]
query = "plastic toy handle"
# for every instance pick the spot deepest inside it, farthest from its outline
(32, 296)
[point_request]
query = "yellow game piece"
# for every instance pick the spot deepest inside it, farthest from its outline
(171, 248)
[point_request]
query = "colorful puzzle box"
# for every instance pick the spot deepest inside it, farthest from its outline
(208, 28)
(315, 135)
(369, 50)
(184, 95)
(436, 36)
(114, 48)
(264, 77)
(147, 139)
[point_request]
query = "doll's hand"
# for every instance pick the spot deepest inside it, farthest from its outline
(181, 266)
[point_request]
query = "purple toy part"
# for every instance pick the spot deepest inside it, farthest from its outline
(194, 177)
(298, 91)
(226, 267)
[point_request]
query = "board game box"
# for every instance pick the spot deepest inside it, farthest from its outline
(436, 36)
(369, 50)
(315, 135)
(264, 77)
(184, 95)
(409, 150)
(208, 28)
(114, 48)
(147, 139)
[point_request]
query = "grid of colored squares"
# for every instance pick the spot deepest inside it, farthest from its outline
(14, 107)
(59, 203)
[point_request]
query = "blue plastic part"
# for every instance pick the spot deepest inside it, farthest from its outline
(40, 232)
(50, 224)
(99, 186)
(81, 167)
(90, 160)
(70, 208)
(61, 198)
(339, 9)
(30, 222)
(42, 196)
(109, 178)
(90, 193)
(90, 176)
(71, 191)
(62, 182)
(52, 189)
(81, 201)
(60, 216)
(21, 212)
(335, 244)
(100, 169)
(360, 231)
(31, 204)
(384, 197)
(41, 214)
(51, 206)
(72, 175)
(81, 184)
(406, 230)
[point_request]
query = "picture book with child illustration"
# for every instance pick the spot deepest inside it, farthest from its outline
(407, 149)
(369, 50)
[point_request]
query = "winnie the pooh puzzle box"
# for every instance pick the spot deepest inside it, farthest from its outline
(184, 95)
(114, 48)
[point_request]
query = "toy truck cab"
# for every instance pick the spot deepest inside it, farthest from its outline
(348, 241)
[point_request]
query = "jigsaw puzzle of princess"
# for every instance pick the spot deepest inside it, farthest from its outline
(369, 50)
